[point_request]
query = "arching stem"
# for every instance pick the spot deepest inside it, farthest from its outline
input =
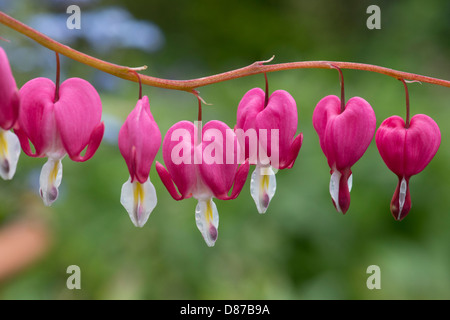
(258, 67)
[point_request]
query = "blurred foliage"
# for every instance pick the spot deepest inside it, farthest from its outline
(301, 248)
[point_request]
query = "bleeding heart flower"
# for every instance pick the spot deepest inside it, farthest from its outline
(56, 127)
(407, 151)
(9, 112)
(344, 136)
(139, 142)
(266, 131)
(203, 166)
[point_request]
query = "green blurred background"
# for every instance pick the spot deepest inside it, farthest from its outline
(301, 248)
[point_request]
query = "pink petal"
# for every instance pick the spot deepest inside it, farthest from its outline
(250, 105)
(327, 108)
(280, 114)
(36, 119)
(141, 134)
(344, 136)
(93, 144)
(293, 153)
(390, 140)
(168, 182)
(423, 139)
(78, 113)
(220, 151)
(9, 94)
(178, 155)
(239, 181)
(407, 152)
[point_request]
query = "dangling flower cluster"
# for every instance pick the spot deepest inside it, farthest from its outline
(211, 161)
(345, 131)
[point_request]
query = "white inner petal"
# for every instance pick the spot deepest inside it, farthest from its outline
(263, 185)
(402, 196)
(207, 220)
(50, 180)
(334, 188)
(139, 200)
(9, 154)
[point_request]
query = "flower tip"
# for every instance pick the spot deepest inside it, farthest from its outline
(340, 187)
(265, 201)
(397, 214)
(213, 234)
(140, 217)
(9, 154)
(5, 170)
(401, 201)
(50, 196)
(262, 187)
(139, 200)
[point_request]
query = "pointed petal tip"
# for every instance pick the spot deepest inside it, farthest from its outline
(400, 213)
(340, 186)
(92, 146)
(207, 220)
(213, 233)
(9, 154)
(50, 180)
(263, 185)
(401, 200)
(48, 197)
(295, 150)
(263, 204)
(139, 200)
(168, 182)
(5, 172)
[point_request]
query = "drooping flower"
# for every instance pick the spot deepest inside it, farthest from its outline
(139, 142)
(202, 163)
(344, 136)
(406, 151)
(9, 112)
(266, 128)
(59, 124)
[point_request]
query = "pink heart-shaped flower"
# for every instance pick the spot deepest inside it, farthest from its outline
(406, 152)
(67, 125)
(344, 136)
(274, 126)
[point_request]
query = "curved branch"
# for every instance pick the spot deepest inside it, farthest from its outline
(128, 73)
